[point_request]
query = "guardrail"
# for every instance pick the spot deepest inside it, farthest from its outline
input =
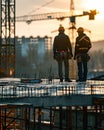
(35, 90)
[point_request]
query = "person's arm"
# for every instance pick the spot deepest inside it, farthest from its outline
(54, 47)
(70, 46)
(76, 48)
(90, 45)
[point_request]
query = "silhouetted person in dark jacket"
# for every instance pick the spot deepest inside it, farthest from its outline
(62, 50)
(82, 46)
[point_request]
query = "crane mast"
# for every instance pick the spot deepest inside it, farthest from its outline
(72, 6)
(72, 28)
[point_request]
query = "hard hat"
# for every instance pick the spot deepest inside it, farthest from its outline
(61, 29)
(80, 29)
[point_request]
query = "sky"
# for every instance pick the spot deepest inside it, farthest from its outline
(45, 27)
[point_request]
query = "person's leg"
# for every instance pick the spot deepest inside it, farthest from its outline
(60, 72)
(85, 70)
(66, 67)
(80, 72)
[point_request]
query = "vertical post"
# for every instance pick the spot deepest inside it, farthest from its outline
(51, 120)
(34, 118)
(39, 118)
(28, 117)
(92, 89)
(0, 18)
(4, 126)
(60, 118)
(96, 117)
(76, 116)
(0, 118)
(85, 122)
(69, 120)
(100, 116)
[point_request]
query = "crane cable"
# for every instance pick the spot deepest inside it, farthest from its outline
(47, 3)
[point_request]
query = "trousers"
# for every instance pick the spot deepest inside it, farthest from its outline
(82, 70)
(65, 63)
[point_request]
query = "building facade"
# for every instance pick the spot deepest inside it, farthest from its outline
(31, 53)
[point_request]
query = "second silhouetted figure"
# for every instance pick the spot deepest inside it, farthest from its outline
(82, 46)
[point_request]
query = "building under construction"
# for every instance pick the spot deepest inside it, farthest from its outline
(52, 106)
(47, 105)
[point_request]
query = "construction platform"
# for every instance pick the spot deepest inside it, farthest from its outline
(54, 105)
(50, 93)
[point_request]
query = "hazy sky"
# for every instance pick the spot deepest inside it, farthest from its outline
(43, 28)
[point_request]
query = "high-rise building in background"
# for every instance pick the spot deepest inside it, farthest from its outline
(31, 53)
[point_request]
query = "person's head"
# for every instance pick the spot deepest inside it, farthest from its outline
(80, 30)
(61, 29)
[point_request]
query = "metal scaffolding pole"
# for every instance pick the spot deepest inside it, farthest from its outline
(7, 39)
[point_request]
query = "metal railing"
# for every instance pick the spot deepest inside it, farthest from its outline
(13, 90)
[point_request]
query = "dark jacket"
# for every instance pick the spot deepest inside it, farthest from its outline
(62, 43)
(82, 45)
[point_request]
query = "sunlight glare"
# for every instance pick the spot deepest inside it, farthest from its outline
(95, 4)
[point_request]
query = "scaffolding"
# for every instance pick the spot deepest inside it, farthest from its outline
(15, 116)
(18, 117)
(7, 38)
(69, 118)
